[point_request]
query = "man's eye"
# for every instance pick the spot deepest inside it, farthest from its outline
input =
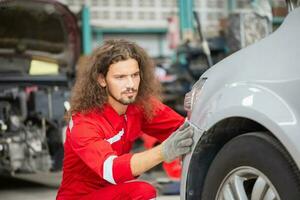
(119, 77)
(136, 75)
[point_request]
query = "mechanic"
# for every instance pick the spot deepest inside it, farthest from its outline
(113, 102)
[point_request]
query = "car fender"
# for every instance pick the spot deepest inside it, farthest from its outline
(256, 102)
(253, 101)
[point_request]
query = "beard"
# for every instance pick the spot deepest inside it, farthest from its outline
(123, 101)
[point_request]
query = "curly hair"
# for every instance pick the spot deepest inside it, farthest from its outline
(87, 94)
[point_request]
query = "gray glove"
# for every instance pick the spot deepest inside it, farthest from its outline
(179, 143)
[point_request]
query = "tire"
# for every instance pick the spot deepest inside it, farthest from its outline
(245, 162)
(56, 147)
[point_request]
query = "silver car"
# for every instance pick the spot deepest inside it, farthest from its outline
(246, 112)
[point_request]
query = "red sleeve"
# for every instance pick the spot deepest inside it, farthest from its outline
(164, 122)
(88, 142)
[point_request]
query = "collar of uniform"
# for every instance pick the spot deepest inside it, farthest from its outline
(114, 118)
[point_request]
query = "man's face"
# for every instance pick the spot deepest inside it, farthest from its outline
(122, 82)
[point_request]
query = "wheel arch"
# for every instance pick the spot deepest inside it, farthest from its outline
(209, 145)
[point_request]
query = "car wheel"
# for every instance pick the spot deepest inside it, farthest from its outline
(252, 166)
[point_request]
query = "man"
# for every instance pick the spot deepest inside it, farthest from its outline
(113, 102)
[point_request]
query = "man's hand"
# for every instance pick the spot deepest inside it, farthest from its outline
(179, 143)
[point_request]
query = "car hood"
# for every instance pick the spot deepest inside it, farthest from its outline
(37, 29)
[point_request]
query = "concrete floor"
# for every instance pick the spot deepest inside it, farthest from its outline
(38, 193)
(17, 189)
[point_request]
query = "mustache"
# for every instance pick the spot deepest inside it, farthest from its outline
(129, 90)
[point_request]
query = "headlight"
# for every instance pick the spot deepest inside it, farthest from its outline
(192, 96)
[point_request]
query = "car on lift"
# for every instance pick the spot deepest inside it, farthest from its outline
(246, 113)
(39, 48)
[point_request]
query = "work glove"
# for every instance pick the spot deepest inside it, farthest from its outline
(178, 143)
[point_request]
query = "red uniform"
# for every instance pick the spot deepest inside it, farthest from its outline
(97, 158)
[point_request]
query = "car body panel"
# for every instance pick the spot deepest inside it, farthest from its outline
(261, 83)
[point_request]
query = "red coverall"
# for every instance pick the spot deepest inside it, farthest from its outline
(97, 159)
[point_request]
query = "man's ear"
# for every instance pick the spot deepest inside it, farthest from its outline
(101, 80)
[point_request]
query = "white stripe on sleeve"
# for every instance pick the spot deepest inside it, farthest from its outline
(116, 138)
(108, 169)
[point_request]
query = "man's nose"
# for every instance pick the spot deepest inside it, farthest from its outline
(130, 82)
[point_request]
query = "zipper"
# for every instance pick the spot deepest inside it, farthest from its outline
(124, 138)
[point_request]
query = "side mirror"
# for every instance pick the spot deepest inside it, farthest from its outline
(292, 4)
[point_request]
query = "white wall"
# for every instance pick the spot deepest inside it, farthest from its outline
(150, 42)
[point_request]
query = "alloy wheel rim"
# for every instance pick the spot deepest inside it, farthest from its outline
(246, 183)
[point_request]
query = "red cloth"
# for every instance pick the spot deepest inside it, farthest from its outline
(98, 144)
(148, 141)
(135, 190)
(173, 169)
